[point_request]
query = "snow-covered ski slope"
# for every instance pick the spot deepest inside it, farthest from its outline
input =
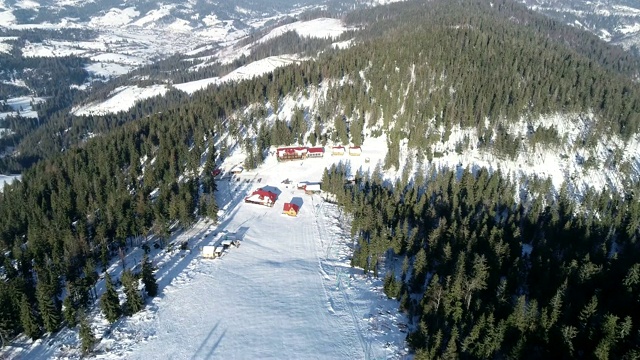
(287, 292)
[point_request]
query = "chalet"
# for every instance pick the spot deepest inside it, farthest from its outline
(302, 186)
(315, 152)
(291, 209)
(216, 172)
(337, 150)
(237, 170)
(311, 189)
(262, 197)
(292, 153)
(355, 150)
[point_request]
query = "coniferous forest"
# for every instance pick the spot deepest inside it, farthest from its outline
(484, 273)
(482, 267)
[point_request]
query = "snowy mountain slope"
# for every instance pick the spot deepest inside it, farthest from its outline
(319, 28)
(617, 21)
(144, 30)
(248, 71)
(121, 99)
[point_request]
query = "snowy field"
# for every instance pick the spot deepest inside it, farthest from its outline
(287, 292)
(120, 99)
(317, 28)
(245, 72)
(22, 106)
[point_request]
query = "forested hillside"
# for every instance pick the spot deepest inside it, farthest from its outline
(488, 269)
(484, 276)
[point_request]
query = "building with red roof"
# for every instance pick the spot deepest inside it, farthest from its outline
(290, 209)
(315, 152)
(262, 197)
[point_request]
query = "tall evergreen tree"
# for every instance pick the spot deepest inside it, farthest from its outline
(29, 319)
(148, 279)
(69, 312)
(134, 301)
(109, 301)
(49, 306)
(86, 335)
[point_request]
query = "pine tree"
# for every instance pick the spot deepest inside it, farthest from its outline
(109, 301)
(9, 312)
(87, 337)
(49, 306)
(134, 301)
(29, 320)
(69, 311)
(149, 281)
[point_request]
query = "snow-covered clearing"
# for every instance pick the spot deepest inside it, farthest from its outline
(318, 28)
(4, 46)
(107, 69)
(628, 29)
(287, 292)
(7, 17)
(22, 106)
(120, 99)
(248, 71)
(115, 17)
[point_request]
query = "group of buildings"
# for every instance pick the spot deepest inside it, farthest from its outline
(266, 197)
(303, 152)
(219, 245)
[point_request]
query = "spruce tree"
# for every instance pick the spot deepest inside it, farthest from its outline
(87, 337)
(49, 306)
(9, 312)
(134, 299)
(29, 320)
(109, 302)
(69, 311)
(149, 281)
